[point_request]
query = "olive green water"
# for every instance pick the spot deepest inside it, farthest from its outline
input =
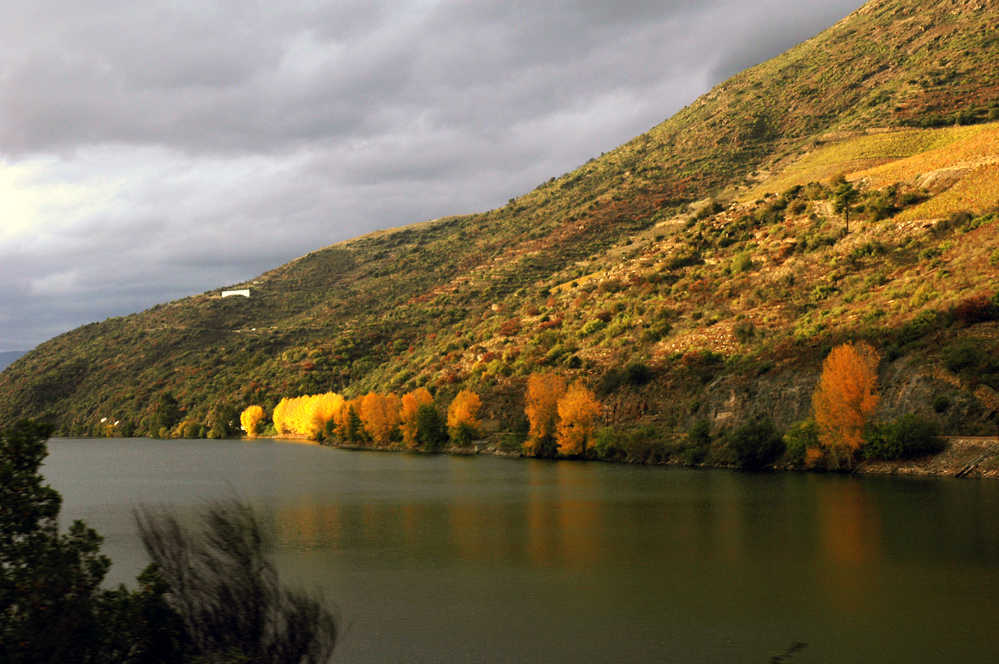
(479, 559)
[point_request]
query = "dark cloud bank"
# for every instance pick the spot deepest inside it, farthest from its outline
(170, 147)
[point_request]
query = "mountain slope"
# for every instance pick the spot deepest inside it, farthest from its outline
(9, 357)
(607, 265)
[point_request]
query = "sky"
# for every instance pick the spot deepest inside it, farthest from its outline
(154, 149)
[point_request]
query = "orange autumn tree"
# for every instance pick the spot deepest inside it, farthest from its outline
(380, 416)
(541, 407)
(463, 417)
(411, 402)
(250, 420)
(578, 410)
(846, 398)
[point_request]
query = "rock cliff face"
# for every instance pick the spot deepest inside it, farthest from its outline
(786, 397)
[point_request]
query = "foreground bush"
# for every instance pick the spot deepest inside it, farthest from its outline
(907, 437)
(52, 606)
(801, 437)
(226, 589)
(213, 596)
(756, 444)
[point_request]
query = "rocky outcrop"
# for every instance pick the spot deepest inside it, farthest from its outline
(785, 397)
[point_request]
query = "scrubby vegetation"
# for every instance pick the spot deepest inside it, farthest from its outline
(692, 274)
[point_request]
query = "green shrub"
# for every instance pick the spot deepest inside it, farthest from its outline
(742, 262)
(744, 331)
(756, 444)
(610, 381)
(556, 352)
(606, 444)
(822, 291)
(802, 435)
(907, 437)
(920, 326)
(700, 432)
(693, 452)
(941, 403)
(962, 355)
(644, 445)
(638, 374)
(657, 331)
(712, 208)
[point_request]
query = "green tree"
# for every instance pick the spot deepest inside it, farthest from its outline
(802, 436)
(223, 421)
(52, 608)
(353, 429)
(431, 429)
(167, 413)
(844, 196)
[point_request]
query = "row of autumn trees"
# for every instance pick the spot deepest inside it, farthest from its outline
(412, 420)
(562, 418)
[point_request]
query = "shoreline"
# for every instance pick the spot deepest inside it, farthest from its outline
(963, 456)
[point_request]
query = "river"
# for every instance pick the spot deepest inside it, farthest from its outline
(449, 559)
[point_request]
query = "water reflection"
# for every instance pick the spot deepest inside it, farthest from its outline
(849, 546)
(507, 560)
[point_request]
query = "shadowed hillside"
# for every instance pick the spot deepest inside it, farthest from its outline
(712, 251)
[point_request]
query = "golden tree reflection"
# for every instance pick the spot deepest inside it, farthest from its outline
(850, 541)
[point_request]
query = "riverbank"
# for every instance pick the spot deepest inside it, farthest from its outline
(963, 456)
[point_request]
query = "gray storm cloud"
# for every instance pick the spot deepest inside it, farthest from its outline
(159, 148)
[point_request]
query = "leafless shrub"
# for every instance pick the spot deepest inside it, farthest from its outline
(227, 591)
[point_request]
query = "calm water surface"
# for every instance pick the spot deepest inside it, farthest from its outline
(479, 559)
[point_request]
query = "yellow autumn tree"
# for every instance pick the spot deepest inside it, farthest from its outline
(380, 416)
(278, 417)
(301, 419)
(463, 417)
(291, 416)
(578, 410)
(846, 398)
(411, 402)
(541, 407)
(250, 420)
(322, 409)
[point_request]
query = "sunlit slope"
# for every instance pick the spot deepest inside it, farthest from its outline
(884, 157)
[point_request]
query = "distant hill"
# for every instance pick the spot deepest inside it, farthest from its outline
(8, 358)
(700, 271)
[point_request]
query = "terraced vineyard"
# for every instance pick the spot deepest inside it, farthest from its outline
(886, 157)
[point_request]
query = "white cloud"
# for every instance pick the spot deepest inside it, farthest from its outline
(62, 283)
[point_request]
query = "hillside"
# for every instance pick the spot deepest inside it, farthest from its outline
(7, 358)
(708, 255)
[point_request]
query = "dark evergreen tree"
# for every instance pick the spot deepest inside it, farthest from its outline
(52, 606)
